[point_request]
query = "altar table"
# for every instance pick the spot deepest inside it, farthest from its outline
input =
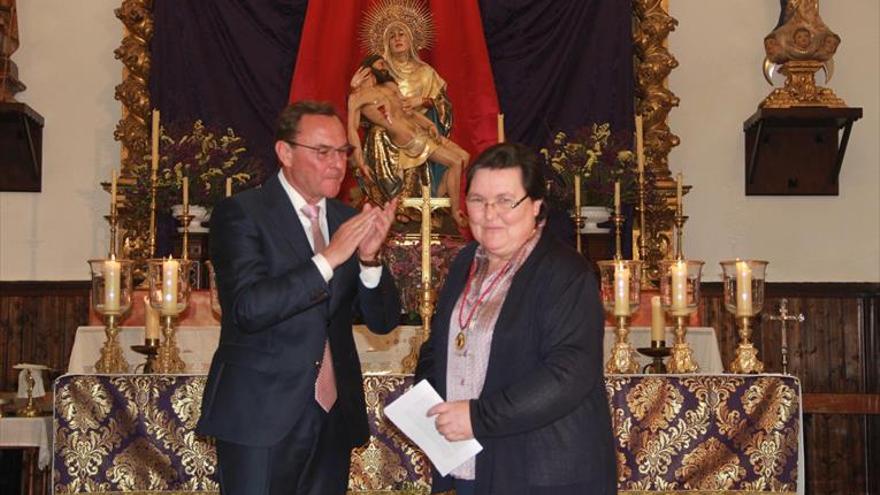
(378, 353)
(34, 437)
(709, 434)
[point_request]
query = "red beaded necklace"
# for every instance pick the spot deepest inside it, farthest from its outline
(461, 339)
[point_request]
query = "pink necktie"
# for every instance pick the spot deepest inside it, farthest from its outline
(325, 384)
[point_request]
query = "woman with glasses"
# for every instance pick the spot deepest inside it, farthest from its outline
(516, 346)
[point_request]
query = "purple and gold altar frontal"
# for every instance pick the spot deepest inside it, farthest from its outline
(699, 434)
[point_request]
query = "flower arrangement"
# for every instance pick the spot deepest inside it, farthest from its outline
(600, 157)
(206, 155)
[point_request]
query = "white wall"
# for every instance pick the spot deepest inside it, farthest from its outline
(66, 59)
(719, 45)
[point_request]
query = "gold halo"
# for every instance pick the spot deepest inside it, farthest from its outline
(413, 14)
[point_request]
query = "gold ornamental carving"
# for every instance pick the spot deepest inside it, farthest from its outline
(800, 46)
(9, 41)
(134, 53)
(654, 100)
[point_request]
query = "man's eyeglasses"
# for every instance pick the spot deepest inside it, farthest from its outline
(502, 205)
(325, 152)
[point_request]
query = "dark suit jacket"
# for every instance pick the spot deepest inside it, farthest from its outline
(277, 313)
(542, 416)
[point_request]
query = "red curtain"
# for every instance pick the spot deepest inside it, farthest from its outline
(330, 51)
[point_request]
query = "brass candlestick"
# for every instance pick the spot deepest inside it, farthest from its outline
(169, 294)
(656, 352)
(30, 409)
(744, 297)
(681, 358)
(620, 284)
(642, 247)
(680, 297)
(150, 348)
(185, 218)
(784, 318)
(111, 291)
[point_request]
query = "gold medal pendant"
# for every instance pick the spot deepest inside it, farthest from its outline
(460, 340)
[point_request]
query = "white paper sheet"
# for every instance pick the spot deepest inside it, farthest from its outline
(408, 413)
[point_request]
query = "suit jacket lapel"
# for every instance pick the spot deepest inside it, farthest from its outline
(334, 220)
(286, 219)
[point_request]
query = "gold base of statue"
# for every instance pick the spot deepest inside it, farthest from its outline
(746, 357)
(168, 359)
(800, 88)
(623, 355)
(111, 360)
(681, 359)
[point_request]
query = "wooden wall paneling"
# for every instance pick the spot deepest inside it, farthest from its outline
(38, 321)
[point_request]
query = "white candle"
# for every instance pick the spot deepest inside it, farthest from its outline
(743, 289)
(113, 192)
(658, 320)
(500, 127)
(679, 286)
(617, 198)
(228, 186)
(151, 320)
(577, 193)
(154, 149)
(112, 280)
(640, 144)
(185, 191)
(170, 268)
(621, 290)
(679, 179)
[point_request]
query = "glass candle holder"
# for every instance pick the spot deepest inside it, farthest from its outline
(620, 286)
(621, 291)
(743, 282)
(680, 286)
(169, 285)
(111, 286)
(111, 293)
(169, 294)
(680, 296)
(744, 286)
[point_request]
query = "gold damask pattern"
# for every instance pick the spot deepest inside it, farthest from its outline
(712, 434)
(696, 434)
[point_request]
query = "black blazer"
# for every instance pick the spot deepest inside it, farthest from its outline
(277, 313)
(542, 416)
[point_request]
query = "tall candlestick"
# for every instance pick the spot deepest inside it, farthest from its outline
(228, 186)
(679, 179)
(617, 198)
(658, 320)
(112, 279)
(621, 290)
(151, 321)
(500, 127)
(113, 192)
(154, 149)
(679, 287)
(743, 289)
(185, 192)
(640, 144)
(170, 268)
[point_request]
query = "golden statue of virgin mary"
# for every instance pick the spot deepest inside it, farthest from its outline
(397, 30)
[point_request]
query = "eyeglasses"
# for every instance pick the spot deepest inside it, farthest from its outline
(502, 205)
(325, 152)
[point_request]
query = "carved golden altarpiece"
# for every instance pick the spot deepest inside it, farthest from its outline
(654, 100)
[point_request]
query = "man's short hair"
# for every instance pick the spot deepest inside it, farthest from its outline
(287, 126)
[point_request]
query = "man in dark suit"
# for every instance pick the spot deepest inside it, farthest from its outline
(284, 396)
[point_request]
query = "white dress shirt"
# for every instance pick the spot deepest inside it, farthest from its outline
(370, 275)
